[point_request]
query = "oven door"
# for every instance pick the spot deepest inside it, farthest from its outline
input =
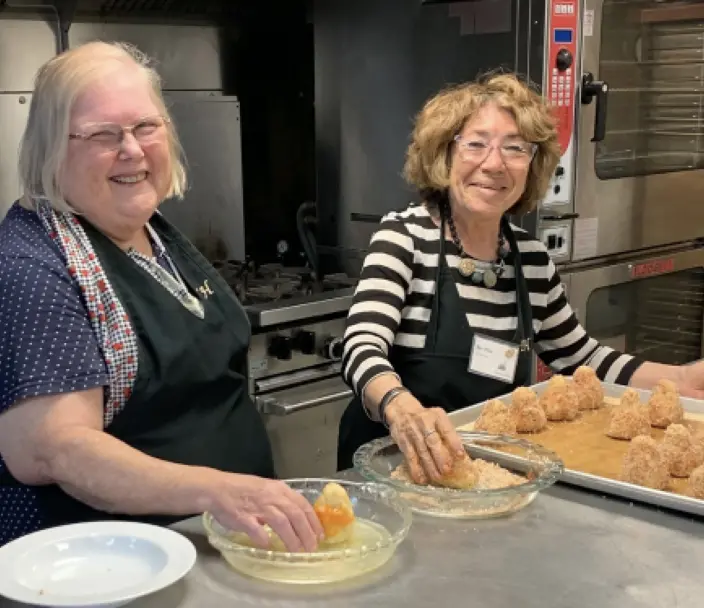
(302, 423)
(651, 307)
(640, 185)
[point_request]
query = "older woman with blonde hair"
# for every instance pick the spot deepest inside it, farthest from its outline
(123, 389)
(452, 297)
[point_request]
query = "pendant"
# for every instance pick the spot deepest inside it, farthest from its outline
(477, 277)
(466, 267)
(489, 277)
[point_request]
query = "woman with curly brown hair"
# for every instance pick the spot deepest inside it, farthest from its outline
(452, 298)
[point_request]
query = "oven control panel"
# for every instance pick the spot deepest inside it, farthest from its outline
(561, 88)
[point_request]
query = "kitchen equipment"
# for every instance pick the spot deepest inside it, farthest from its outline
(383, 522)
(670, 500)
(97, 564)
(541, 468)
(624, 78)
(294, 359)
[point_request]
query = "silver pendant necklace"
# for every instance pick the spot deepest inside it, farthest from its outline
(480, 273)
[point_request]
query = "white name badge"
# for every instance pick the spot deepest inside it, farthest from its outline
(493, 358)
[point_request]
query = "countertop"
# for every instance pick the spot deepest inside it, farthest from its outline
(569, 549)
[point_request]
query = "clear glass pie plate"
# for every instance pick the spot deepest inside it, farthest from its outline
(382, 523)
(538, 467)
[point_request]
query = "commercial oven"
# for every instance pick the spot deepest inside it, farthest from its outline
(622, 217)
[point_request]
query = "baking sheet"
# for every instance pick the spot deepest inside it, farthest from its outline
(685, 504)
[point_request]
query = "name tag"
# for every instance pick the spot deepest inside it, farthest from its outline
(493, 359)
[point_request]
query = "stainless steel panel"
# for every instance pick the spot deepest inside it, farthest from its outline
(658, 498)
(14, 110)
(211, 215)
(290, 311)
(304, 442)
(643, 132)
(188, 57)
(24, 46)
(585, 282)
(376, 63)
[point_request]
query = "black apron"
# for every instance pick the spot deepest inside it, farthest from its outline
(190, 403)
(437, 374)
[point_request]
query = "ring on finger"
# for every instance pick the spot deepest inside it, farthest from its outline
(427, 434)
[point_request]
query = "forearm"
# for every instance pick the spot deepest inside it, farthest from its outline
(109, 475)
(649, 373)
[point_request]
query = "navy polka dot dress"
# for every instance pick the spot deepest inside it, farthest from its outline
(47, 345)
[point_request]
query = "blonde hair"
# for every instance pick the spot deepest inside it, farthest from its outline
(57, 85)
(428, 157)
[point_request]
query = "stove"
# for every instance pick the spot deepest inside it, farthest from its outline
(294, 359)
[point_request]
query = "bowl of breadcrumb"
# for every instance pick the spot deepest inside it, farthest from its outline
(499, 476)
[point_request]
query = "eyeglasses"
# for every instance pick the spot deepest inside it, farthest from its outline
(111, 135)
(513, 153)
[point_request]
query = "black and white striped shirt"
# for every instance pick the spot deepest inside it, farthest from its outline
(393, 301)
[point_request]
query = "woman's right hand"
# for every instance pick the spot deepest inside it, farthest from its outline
(426, 436)
(246, 503)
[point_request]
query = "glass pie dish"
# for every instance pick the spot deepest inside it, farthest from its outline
(537, 467)
(382, 523)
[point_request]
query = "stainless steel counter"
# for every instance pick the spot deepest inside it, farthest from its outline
(569, 549)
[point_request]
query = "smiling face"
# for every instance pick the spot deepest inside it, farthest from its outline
(116, 187)
(490, 164)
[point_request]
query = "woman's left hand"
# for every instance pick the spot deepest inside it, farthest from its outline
(692, 380)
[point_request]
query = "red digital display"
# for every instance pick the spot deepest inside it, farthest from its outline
(561, 85)
(649, 269)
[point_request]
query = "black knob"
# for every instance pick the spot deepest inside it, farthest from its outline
(563, 60)
(560, 171)
(332, 349)
(304, 341)
(280, 347)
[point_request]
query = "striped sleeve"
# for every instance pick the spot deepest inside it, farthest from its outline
(563, 344)
(375, 314)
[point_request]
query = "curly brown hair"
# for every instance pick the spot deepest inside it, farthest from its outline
(428, 157)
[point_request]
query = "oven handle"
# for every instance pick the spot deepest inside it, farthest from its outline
(274, 407)
(596, 88)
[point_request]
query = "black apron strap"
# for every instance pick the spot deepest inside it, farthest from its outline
(524, 312)
(431, 338)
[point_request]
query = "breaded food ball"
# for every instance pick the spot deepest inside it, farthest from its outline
(665, 406)
(644, 464)
(696, 482)
(463, 475)
(496, 418)
(629, 421)
(682, 452)
(588, 387)
(560, 400)
(630, 397)
(527, 413)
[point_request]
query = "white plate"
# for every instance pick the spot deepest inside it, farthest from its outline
(98, 564)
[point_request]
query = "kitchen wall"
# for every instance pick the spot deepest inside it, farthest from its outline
(234, 87)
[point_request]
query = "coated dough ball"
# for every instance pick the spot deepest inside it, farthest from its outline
(629, 421)
(696, 482)
(682, 452)
(588, 387)
(560, 400)
(630, 397)
(644, 464)
(529, 416)
(496, 418)
(665, 408)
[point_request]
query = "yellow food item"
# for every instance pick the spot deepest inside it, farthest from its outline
(336, 514)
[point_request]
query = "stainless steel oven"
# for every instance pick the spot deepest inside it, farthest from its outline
(651, 306)
(639, 149)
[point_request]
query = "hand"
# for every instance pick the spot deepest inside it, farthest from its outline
(245, 503)
(426, 437)
(691, 383)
